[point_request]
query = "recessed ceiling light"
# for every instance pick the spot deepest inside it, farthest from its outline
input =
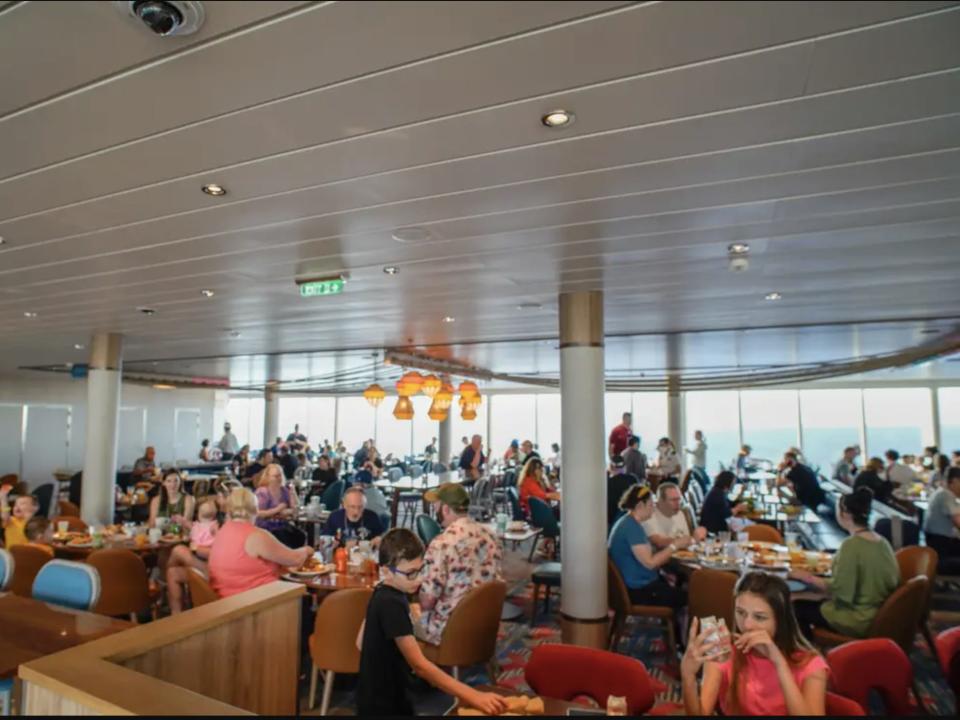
(78, 346)
(448, 318)
(234, 333)
(164, 386)
(146, 311)
(29, 314)
(773, 296)
(2, 241)
(391, 269)
(558, 118)
(207, 293)
(411, 235)
(214, 189)
(738, 248)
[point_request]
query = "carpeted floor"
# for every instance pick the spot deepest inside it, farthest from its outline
(643, 640)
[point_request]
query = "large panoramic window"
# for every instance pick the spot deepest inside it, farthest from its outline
(548, 423)
(393, 436)
(831, 421)
(769, 420)
(245, 415)
(897, 418)
(949, 401)
(650, 419)
(356, 420)
(717, 414)
(514, 417)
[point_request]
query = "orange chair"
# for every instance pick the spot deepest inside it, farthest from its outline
(66, 509)
(764, 533)
(333, 644)
(619, 599)
(124, 585)
(897, 618)
(470, 636)
(27, 561)
(915, 561)
(200, 591)
(711, 593)
(74, 523)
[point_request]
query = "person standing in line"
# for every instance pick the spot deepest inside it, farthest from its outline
(619, 437)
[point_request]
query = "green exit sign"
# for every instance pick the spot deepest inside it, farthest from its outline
(316, 288)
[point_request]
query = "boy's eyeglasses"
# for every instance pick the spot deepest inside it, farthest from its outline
(408, 574)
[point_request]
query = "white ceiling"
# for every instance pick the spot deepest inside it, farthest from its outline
(825, 134)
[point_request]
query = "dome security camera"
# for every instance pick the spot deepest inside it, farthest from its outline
(165, 18)
(738, 263)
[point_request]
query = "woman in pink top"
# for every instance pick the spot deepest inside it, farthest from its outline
(769, 669)
(244, 556)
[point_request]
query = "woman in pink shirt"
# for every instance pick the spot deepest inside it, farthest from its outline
(244, 556)
(768, 669)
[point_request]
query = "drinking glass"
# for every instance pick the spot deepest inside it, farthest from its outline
(724, 537)
(743, 537)
(63, 526)
(793, 540)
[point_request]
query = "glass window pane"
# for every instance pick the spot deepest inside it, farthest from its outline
(548, 424)
(393, 436)
(614, 406)
(769, 422)
(514, 418)
(649, 420)
(319, 421)
(831, 421)
(424, 429)
(293, 411)
(467, 428)
(355, 420)
(717, 414)
(949, 400)
(897, 418)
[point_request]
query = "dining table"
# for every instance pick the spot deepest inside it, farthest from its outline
(330, 582)
(552, 707)
(33, 629)
(65, 551)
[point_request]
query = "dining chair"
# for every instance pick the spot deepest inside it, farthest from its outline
(898, 618)
(333, 495)
(947, 645)
(427, 528)
(545, 575)
(711, 593)
(201, 592)
(759, 532)
(890, 675)
(514, 499)
(74, 523)
(914, 561)
(470, 635)
(27, 561)
(6, 569)
(333, 644)
(125, 587)
(619, 599)
(541, 516)
(565, 672)
(65, 582)
(44, 496)
(840, 706)
(65, 509)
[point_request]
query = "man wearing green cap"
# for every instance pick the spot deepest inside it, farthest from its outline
(466, 554)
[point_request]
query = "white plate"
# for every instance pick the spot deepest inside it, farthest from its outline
(79, 545)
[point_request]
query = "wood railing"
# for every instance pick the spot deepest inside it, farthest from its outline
(235, 656)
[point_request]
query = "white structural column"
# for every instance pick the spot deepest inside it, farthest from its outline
(103, 415)
(675, 424)
(584, 505)
(445, 440)
(271, 417)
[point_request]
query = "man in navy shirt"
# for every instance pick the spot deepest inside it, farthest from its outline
(804, 481)
(353, 520)
(472, 459)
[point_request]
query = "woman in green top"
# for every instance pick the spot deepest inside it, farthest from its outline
(865, 573)
(172, 503)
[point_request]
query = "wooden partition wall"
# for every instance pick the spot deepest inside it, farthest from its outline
(236, 656)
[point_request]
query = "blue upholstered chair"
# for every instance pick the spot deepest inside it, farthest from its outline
(6, 569)
(427, 528)
(71, 584)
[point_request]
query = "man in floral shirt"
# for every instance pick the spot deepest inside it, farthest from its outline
(466, 554)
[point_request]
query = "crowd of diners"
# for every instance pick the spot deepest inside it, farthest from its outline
(241, 536)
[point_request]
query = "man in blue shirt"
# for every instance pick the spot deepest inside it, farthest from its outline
(353, 520)
(472, 459)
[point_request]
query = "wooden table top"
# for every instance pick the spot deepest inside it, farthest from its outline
(551, 706)
(32, 629)
(331, 582)
(71, 552)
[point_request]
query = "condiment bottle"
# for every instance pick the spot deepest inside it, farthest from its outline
(340, 559)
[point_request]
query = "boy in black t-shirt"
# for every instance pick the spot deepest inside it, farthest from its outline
(388, 648)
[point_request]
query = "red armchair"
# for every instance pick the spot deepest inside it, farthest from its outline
(877, 664)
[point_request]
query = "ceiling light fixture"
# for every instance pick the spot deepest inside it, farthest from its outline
(207, 293)
(78, 346)
(529, 306)
(29, 314)
(738, 248)
(448, 318)
(234, 333)
(164, 386)
(214, 189)
(558, 118)
(773, 296)
(391, 269)
(411, 235)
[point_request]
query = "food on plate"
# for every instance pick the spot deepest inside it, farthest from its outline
(767, 560)
(311, 564)
(169, 538)
(535, 706)
(80, 539)
(685, 555)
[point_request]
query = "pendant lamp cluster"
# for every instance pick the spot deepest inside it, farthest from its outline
(412, 383)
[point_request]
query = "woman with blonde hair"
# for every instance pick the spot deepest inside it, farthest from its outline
(244, 556)
(278, 504)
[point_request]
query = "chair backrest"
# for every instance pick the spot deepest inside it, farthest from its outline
(395, 474)
(839, 706)
(7, 565)
(44, 496)
(440, 468)
(542, 516)
(415, 471)
(947, 644)
(123, 582)
(333, 495)
(333, 645)
(899, 616)
(478, 491)
(697, 492)
(470, 635)
(764, 533)
(568, 671)
(909, 532)
(685, 482)
(711, 593)
(690, 517)
(916, 560)
(427, 528)
(74, 524)
(618, 597)
(71, 584)
(510, 478)
(65, 508)
(890, 674)
(201, 592)
(27, 561)
(514, 497)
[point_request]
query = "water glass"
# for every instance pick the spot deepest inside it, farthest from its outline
(724, 537)
(502, 519)
(792, 540)
(62, 527)
(743, 537)
(154, 535)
